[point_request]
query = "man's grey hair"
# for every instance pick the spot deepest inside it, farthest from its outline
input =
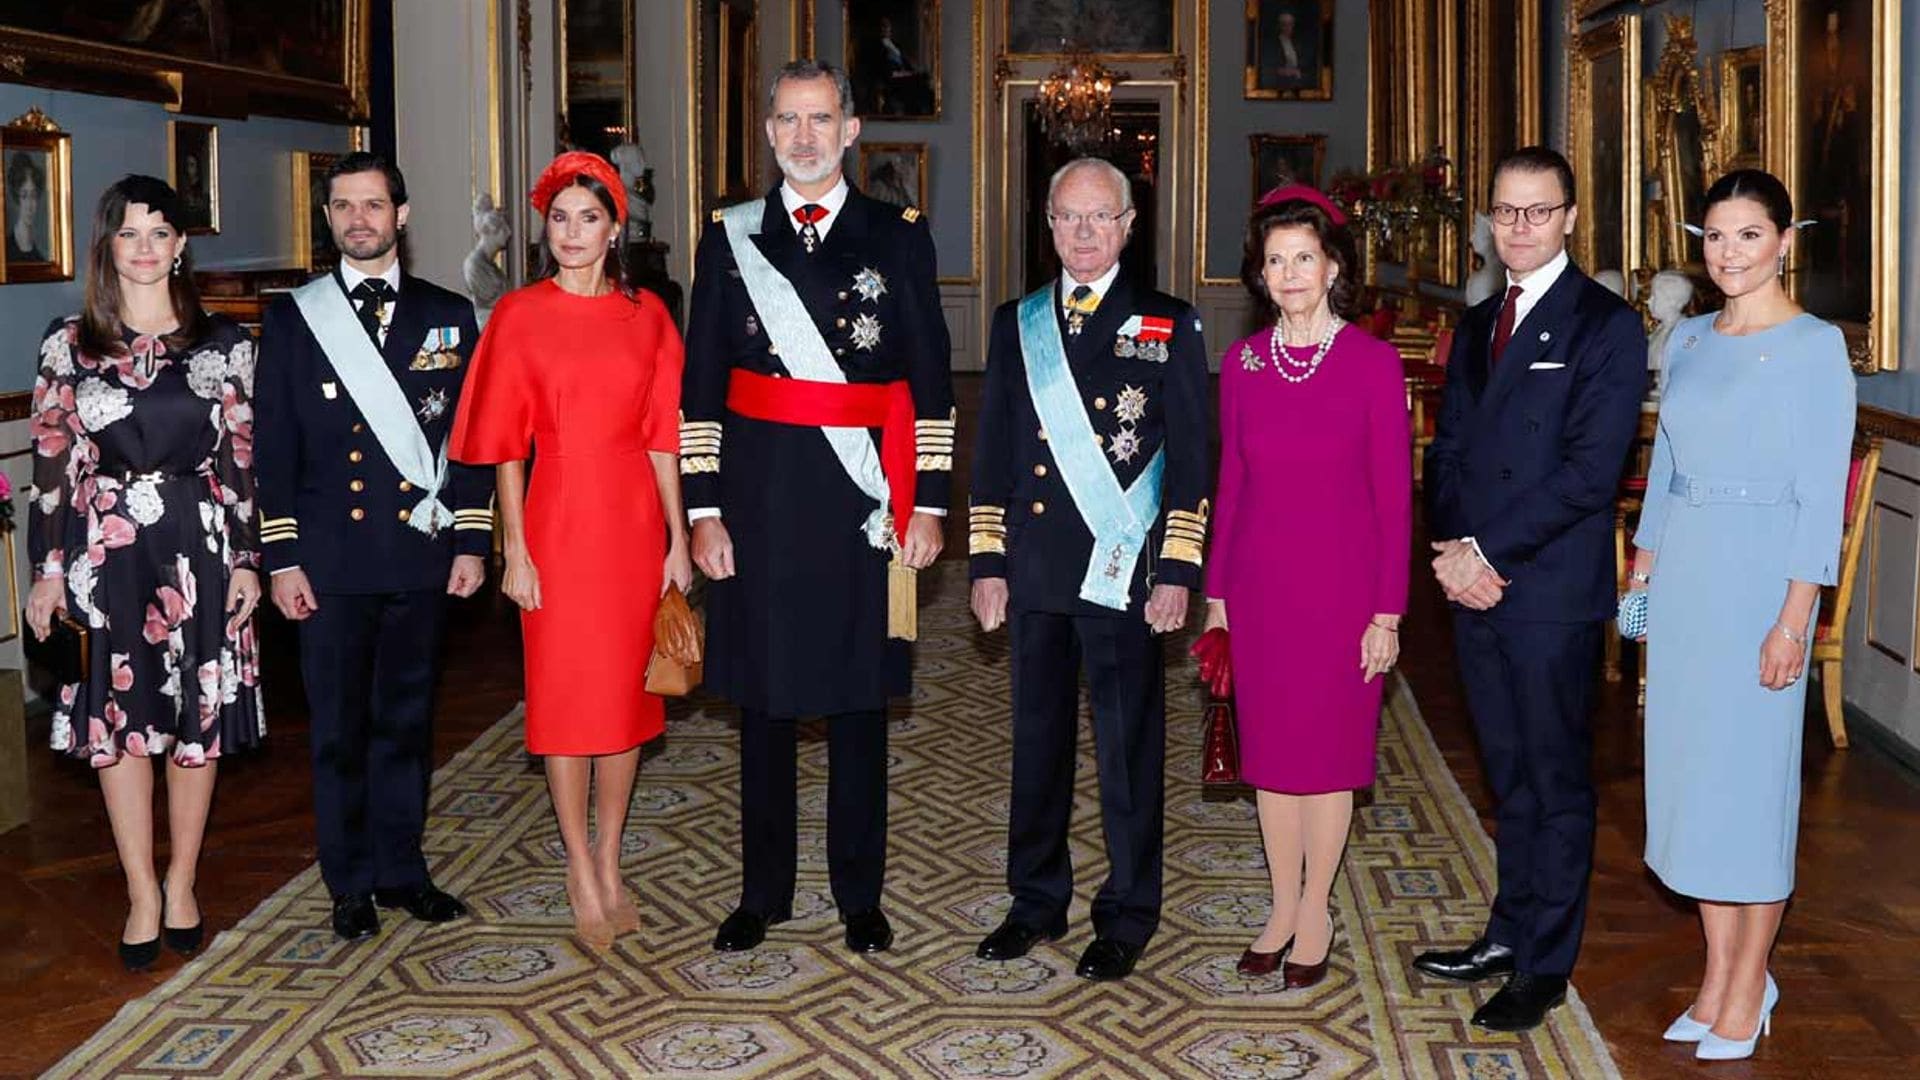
(1101, 165)
(808, 70)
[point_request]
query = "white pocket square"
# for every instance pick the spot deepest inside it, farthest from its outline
(1544, 365)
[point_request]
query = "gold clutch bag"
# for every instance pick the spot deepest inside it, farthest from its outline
(679, 640)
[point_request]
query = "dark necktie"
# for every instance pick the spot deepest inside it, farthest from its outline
(807, 216)
(1503, 330)
(370, 300)
(1080, 303)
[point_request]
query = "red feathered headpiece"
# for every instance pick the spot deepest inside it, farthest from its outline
(1303, 193)
(569, 167)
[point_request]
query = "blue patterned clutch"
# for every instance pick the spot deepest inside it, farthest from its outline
(1631, 618)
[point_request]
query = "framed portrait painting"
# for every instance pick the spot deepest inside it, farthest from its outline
(193, 168)
(1743, 107)
(312, 238)
(894, 172)
(1290, 50)
(1603, 120)
(1285, 159)
(37, 160)
(1113, 27)
(892, 51)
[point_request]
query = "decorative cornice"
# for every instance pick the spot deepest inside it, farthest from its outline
(1886, 424)
(34, 120)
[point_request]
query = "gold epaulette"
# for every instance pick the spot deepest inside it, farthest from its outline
(986, 530)
(933, 443)
(1186, 534)
(911, 213)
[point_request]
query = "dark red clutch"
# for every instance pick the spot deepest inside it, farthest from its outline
(1219, 745)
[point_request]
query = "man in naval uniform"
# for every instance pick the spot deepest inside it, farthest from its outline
(367, 530)
(1088, 518)
(816, 452)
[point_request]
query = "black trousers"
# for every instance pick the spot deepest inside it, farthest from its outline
(369, 662)
(856, 810)
(1530, 688)
(1126, 684)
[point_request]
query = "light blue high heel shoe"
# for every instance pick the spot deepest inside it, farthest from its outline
(1686, 1029)
(1714, 1048)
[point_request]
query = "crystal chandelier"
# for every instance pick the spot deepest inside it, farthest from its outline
(1076, 102)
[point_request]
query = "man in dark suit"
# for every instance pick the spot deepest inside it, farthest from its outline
(367, 530)
(814, 306)
(1542, 401)
(1088, 517)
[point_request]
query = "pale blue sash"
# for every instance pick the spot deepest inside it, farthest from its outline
(806, 356)
(1119, 519)
(371, 384)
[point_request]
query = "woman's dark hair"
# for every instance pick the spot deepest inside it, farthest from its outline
(100, 324)
(1759, 185)
(1342, 295)
(616, 264)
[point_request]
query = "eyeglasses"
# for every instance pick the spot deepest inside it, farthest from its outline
(1537, 214)
(1099, 219)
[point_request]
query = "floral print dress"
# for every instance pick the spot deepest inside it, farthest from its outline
(143, 499)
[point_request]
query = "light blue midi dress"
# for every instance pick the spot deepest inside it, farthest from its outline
(1744, 495)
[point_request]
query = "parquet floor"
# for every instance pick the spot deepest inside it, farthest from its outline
(1848, 963)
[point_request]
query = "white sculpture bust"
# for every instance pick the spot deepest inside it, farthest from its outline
(631, 160)
(1667, 300)
(1613, 281)
(1491, 278)
(486, 282)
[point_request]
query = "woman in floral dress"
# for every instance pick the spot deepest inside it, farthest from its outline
(142, 529)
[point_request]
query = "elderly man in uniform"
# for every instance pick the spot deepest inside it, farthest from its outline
(1088, 517)
(817, 453)
(367, 529)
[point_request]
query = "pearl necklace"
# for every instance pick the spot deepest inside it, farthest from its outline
(1282, 359)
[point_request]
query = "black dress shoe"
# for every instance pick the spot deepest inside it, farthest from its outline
(424, 902)
(1480, 960)
(354, 918)
(184, 940)
(1107, 959)
(869, 932)
(139, 955)
(1521, 1004)
(745, 930)
(1014, 940)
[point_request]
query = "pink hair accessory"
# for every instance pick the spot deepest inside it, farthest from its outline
(1303, 193)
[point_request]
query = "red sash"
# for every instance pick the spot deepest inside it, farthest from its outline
(887, 406)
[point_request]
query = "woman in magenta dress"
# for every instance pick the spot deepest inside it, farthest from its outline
(1310, 558)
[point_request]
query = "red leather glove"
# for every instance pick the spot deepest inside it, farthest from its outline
(1216, 663)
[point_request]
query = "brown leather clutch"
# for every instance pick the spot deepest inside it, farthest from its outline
(679, 640)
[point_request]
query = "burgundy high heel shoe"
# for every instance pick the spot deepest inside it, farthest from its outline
(1254, 963)
(1300, 976)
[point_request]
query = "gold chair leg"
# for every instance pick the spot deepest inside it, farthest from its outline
(1836, 703)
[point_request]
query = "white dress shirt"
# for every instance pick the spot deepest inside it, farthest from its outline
(832, 201)
(1099, 285)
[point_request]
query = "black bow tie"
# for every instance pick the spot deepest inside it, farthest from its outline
(370, 300)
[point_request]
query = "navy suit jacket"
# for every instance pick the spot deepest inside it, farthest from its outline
(1527, 454)
(330, 499)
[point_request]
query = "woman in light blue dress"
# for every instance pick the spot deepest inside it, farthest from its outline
(1743, 511)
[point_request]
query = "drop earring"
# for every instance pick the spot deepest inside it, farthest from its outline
(176, 265)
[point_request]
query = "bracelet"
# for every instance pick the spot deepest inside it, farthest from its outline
(1641, 577)
(1797, 639)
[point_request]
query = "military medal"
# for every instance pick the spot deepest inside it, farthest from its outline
(433, 406)
(1124, 445)
(869, 284)
(1132, 405)
(866, 332)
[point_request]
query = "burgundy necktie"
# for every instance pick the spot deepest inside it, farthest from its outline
(807, 216)
(1503, 329)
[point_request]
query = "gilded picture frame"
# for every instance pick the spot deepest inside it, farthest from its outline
(312, 239)
(891, 49)
(1743, 107)
(1603, 115)
(1289, 50)
(36, 159)
(1302, 157)
(893, 172)
(193, 168)
(303, 59)
(1682, 145)
(1833, 134)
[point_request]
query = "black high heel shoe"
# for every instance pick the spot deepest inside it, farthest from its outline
(184, 940)
(138, 956)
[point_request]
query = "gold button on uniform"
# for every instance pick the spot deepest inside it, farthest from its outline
(1043, 434)
(357, 485)
(357, 514)
(843, 294)
(405, 486)
(1039, 470)
(355, 456)
(841, 323)
(358, 428)
(1039, 507)
(1099, 439)
(1099, 403)
(405, 515)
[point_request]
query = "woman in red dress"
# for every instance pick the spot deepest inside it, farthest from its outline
(586, 369)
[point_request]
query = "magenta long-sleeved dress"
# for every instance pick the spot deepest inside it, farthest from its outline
(1311, 541)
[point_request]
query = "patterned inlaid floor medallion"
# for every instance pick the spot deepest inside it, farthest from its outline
(510, 993)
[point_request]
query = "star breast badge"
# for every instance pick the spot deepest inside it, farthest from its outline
(866, 332)
(433, 406)
(1132, 405)
(869, 284)
(1124, 445)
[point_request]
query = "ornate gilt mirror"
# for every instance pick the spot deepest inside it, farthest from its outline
(1684, 147)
